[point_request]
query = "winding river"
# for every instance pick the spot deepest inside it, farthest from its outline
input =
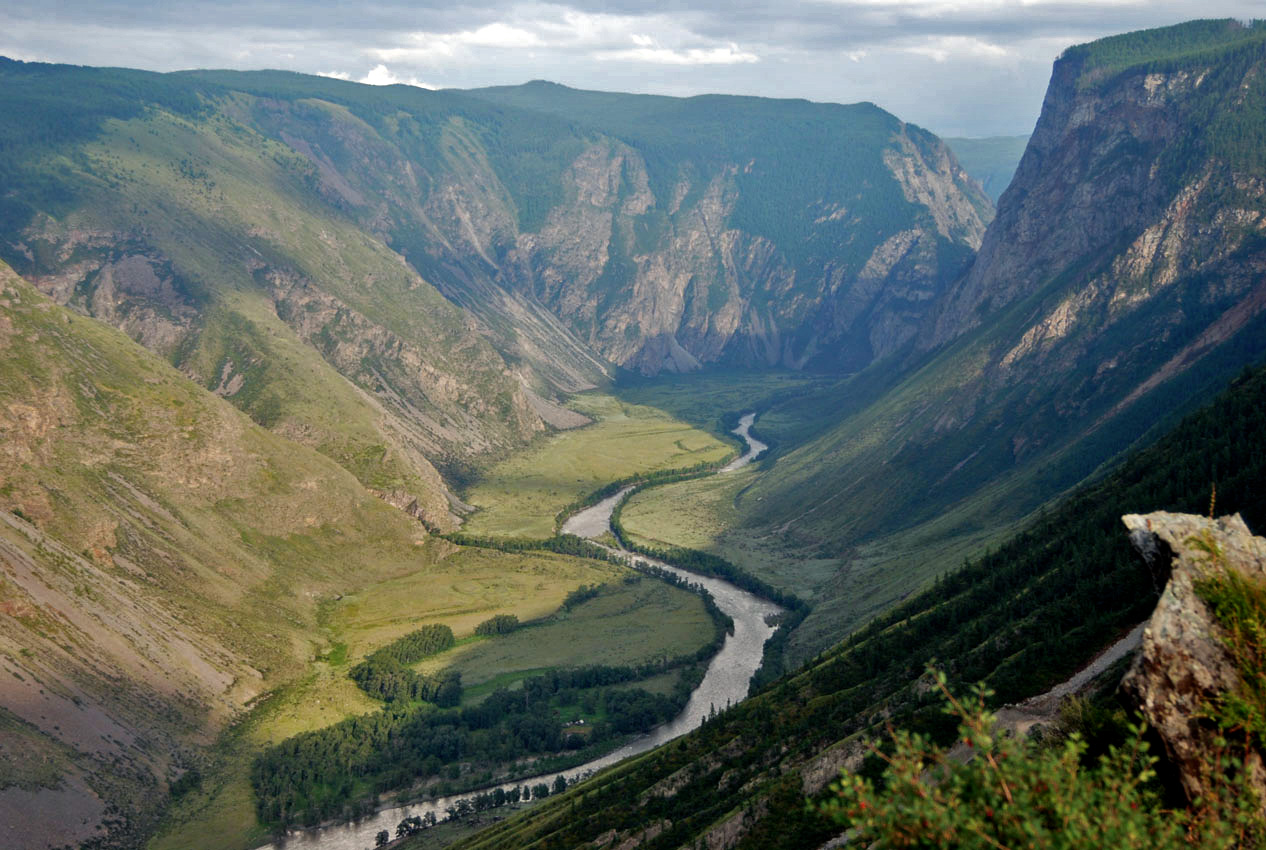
(725, 683)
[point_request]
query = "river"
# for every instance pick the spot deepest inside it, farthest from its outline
(725, 682)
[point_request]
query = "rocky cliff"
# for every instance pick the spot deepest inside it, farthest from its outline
(1137, 176)
(744, 231)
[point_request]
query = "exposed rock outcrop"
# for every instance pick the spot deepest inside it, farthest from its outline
(706, 290)
(1102, 199)
(1185, 666)
(1122, 280)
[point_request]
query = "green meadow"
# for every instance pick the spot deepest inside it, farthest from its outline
(628, 623)
(521, 496)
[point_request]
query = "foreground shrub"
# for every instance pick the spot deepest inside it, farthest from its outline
(993, 790)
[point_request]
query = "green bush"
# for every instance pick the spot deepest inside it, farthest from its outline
(998, 791)
(502, 624)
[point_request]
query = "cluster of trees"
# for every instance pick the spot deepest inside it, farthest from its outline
(562, 544)
(416, 645)
(388, 681)
(581, 594)
(385, 674)
(474, 804)
(321, 774)
(501, 624)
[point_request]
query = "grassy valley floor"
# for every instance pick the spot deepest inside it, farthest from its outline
(521, 496)
(460, 590)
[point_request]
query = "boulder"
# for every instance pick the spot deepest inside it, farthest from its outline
(1184, 666)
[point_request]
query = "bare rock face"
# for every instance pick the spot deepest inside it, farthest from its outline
(1101, 202)
(705, 291)
(1184, 666)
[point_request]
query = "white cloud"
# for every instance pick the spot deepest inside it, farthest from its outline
(659, 39)
(381, 75)
(728, 55)
(499, 35)
(334, 75)
(431, 47)
(957, 47)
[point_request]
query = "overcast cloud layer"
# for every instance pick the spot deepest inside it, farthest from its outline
(958, 67)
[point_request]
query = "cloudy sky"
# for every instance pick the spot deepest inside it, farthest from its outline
(958, 67)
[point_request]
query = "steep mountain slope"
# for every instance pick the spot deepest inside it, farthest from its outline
(744, 230)
(162, 559)
(170, 218)
(1021, 619)
(1121, 282)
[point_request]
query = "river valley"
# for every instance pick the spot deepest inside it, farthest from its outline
(725, 683)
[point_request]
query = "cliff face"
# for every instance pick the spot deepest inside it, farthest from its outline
(1122, 281)
(585, 229)
(1122, 190)
(663, 278)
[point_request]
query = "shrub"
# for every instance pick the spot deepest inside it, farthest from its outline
(997, 791)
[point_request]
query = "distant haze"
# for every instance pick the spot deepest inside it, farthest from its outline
(992, 161)
(957, 67)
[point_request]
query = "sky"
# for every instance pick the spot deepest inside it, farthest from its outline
(956, 67)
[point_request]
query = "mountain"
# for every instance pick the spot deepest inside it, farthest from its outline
(743, 230)
(1119, 285)
(242, 306)
(162, 563)
(991, 160)
(157, 212)
(438, 267)
(332, 304)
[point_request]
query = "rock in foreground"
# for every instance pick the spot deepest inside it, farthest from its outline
(1185, 666)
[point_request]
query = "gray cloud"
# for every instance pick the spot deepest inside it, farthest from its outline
(959, 67)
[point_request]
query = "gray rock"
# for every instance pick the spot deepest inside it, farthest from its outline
(1184, 665)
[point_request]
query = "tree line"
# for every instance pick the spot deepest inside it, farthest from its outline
(385, 674)
(322, 774)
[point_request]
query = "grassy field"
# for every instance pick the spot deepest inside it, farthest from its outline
(521, 496)
(461, 589)
(702, 514)
(628, 623)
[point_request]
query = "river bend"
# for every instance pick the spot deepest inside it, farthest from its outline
(725, 682)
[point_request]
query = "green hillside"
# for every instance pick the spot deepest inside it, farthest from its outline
(166, 213)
